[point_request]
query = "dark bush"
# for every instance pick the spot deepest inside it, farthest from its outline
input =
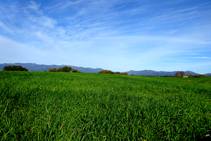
(65, 69)
(110, 72)
(124, 73)
(14, 68)
(106, 71)
(199, 76)
(75, 70)
(53, 70)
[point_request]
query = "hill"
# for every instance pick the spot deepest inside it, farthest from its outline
(42, 67)
(157, 73)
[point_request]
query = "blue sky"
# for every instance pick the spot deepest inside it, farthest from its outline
(119, 35)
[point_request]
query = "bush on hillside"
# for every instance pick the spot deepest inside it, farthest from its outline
(65, 69)
(75, 70)
(53, 70)
(110, 72)
(106, 71)
(125, 73)
(14, 68)
(199, 76)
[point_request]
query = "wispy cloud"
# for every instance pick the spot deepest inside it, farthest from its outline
(203, 57)
(182, 60)
(33, 5)
(7, 29)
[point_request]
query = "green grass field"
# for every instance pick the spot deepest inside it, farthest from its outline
(83, 106)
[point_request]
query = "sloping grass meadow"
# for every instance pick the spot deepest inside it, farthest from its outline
(84, 106)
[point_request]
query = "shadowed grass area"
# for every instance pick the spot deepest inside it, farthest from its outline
(83, 106)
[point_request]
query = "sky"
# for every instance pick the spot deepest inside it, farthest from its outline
(118, 35)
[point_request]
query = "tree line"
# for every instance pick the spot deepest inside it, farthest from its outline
(182, 74)
(110, 72)
(63, 69)
(20, 68)
(70, 69)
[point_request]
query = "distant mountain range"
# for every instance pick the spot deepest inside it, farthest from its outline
(42, 67)
(37, 67)
(158, 73)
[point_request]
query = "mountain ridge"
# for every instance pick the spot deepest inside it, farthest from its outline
(43, 67)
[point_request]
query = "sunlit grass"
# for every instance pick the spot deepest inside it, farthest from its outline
(80, 106)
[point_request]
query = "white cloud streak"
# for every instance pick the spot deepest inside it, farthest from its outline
(203, 57)
(7, 29)
(33, 5)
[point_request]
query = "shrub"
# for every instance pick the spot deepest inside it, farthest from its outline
(110, 72)
(75, 70)
(124, 73)
(14, 68)
(199, 76)
(106, 71)
(53, 70)
(65, 69)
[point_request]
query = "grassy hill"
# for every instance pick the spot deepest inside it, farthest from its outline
(83, 106)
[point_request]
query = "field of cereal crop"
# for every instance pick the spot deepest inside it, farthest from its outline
(86, 106)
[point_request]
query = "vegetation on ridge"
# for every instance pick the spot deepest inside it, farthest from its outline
(63, 69)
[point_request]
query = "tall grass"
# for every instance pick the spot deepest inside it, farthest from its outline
(82, 106)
